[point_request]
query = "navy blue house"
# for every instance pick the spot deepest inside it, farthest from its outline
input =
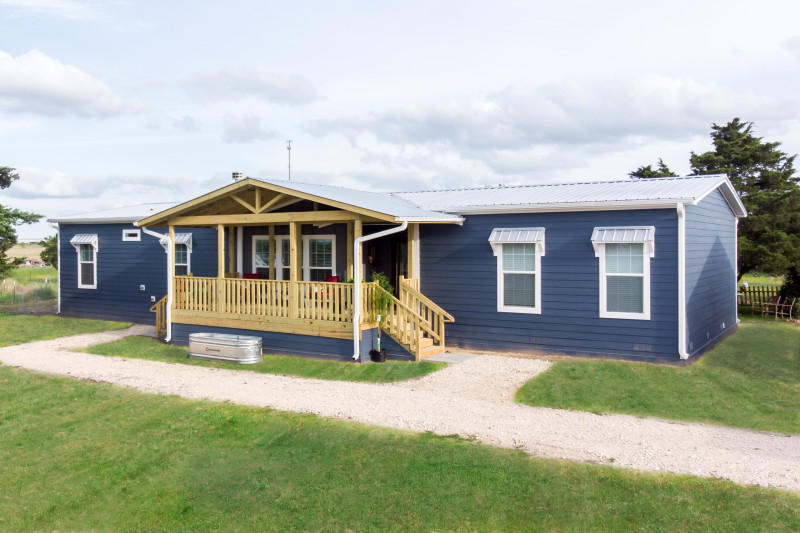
(635, 269)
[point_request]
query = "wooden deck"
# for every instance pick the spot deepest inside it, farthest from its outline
(307, 308)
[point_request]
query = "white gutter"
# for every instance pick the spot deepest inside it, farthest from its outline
(357, 283)
(169, 279)
(58, 258)
(682, 282)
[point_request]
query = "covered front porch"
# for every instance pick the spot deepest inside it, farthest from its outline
(289, 260)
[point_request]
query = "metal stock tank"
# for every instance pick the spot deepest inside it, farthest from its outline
(239, 349)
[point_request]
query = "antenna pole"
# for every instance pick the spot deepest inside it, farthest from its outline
(289, 148)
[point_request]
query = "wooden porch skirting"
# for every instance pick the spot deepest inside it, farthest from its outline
(297, 326)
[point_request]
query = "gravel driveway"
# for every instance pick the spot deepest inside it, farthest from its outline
(472, 399)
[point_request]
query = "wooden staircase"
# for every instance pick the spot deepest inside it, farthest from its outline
(413, 320)
(160, 309)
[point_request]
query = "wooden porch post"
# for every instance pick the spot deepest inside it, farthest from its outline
(171, 245)
(220, 267)
(294, 267)
(411, 251)
(350, 241)
(231, 255)
(273, 252)
(357, 230)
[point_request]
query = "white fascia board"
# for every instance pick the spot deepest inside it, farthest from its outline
(730, 195)
(565, 207)
(432, 220)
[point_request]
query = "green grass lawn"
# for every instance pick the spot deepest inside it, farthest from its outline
(19, 329)
(751, 380)
(77, 456)
(149, 348)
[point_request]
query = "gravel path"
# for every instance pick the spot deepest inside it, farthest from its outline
(472, 399)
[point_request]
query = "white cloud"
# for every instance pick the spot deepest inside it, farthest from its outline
(37, 83)
(245, 129)
(234, 83)
(528, 128)
(35, 183)
(187, 124)
(58, 8)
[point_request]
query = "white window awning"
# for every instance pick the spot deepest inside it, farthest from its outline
(85, 238)
(501, 236)
(624, 235)
(180, 238)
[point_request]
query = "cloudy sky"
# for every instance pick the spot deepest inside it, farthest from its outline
(122, 102)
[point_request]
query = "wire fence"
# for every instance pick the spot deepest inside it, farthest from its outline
(27, 297)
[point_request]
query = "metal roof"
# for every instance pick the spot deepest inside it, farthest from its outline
(630, 193)
(386, 203)
(180, 238)
(84, 238)
(120, 215)
(517, 236)
(624, 234)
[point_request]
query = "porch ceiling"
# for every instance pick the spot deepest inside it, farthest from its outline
(253, 202)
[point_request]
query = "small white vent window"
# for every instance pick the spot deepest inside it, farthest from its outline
(131, 235)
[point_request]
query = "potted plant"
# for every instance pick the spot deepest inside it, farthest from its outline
(380, 303)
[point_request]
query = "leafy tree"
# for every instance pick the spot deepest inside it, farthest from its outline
(50, 253)
(9, 218)
(662, 171)
(764, 177)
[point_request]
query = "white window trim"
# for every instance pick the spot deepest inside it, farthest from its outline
(271, 252)
(535, 236)
(279, 266)
(306, 272)
(95, 244)
(131, 235)
(307, 254)
(537, 280)
(188, 257)
(648, 249)
(180, 238)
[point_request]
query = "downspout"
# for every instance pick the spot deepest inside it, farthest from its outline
(357, 283)
(682, 282)
(169, 279)
(58, 258)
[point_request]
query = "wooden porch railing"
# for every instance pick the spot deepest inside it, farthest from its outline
(313, 300)
(433, 316)
(160, 309)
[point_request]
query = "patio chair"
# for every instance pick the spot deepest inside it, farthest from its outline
(786, 309)
(770, 307)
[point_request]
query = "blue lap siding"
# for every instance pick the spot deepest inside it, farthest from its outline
(122, 267)
(459, 272)
(710, 272)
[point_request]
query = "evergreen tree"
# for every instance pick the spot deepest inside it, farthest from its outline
(9, 218)
(662, 171)
(764, 177)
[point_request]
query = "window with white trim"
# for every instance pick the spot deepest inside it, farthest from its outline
(318, 253)
(319, 257)
(261, 256)
(86, 246)
(183, 252)
(182, 264)
(519, 279)
(624, 259)
(131, 235)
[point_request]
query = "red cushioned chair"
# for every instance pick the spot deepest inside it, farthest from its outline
(257, 275)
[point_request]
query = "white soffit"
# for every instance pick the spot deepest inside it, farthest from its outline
(517, 236)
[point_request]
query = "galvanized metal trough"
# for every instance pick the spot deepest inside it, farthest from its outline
(241, 349)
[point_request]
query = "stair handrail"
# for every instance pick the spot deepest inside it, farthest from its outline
(406, 286)
(159, 308)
